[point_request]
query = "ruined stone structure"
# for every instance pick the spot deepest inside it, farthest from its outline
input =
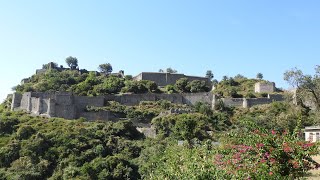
(163, 79)
(249, 102)
(265, 87)
(69, 106)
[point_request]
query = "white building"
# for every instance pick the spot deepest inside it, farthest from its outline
(312, 133)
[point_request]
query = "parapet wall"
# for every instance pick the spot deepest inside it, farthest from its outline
(163, 79)
(248, 102)
(69, 106)
(265, 87)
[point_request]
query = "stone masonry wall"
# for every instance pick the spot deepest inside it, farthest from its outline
(163, 79)
(68, 106)
(235, 102)
(262, 87)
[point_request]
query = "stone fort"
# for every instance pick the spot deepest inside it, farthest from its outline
(163, 79)
(69, 106)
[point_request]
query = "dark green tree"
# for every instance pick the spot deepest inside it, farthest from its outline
(181, 85)
(209, 74)
(105, 68)
(170, 70)
(259, 76)
(72, 62)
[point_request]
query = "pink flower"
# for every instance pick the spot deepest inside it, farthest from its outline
(273, 132)
(267, 155)
(270, 173)
(260, 145)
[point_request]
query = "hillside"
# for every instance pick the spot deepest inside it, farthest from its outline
(93, 83)
(190, 141)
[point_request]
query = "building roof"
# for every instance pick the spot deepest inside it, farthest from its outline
(312, 128)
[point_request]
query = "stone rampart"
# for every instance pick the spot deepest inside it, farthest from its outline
(163, 79)
(68, 106)
(265, 87)
(235, 102)
(248, 102)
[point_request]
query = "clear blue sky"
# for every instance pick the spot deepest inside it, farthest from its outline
(227, 37)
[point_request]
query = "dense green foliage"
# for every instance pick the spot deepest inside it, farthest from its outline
(39, 148)
(192, 142)
(245, 154)
(85, 84)
(307, 87)
(184, 85)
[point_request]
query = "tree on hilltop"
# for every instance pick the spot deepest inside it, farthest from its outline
(72, 62)
(105, 68)
(260, 76)
(307, 86)
(170, 70)
(209, 74)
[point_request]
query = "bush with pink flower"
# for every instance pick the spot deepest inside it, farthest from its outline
(258, 153)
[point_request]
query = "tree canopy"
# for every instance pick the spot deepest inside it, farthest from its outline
(105, 68)
(72, 62)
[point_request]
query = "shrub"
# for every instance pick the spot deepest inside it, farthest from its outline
(197, 86)
(24, 132)
(257, 153)
(181, 85)
(170, 89)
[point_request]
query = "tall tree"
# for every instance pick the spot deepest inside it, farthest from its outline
(209, 74)
(105, 68)
(72, 62)
(307, 86)
(260, 76)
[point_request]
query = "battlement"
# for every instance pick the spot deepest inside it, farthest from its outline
(69, 106)
(163, 79)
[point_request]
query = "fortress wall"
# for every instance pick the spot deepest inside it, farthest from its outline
(192, 98)
(66, 105)
(191, 78)
(276, 97)
(100, 115)
(174, 98)
(163, 79)
(262, 87)
(25, 101)
(16, 101)
(134, 99)
(172, 78)
(159, 78)
(258, 101)
(34, 105)
(65, 111)
(43, 95)
(82, 101)
(44, 106)
(236, 102)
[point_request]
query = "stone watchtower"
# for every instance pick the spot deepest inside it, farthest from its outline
(265, 87)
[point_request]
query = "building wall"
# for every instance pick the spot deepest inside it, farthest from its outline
(235, 102)
(163, 79)
(262, 87)
(68, 106)
(312, 136)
